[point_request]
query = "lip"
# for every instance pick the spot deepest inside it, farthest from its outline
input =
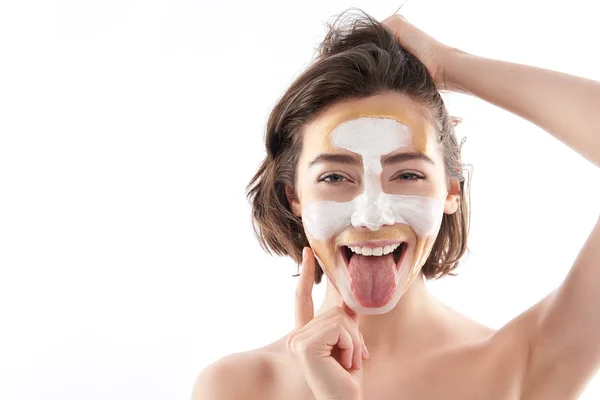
(373, 243)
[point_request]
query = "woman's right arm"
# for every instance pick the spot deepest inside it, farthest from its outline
(243, 375)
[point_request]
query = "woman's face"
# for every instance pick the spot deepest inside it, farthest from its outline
(371, 190)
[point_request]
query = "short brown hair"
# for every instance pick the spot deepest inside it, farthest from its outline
(359, 57)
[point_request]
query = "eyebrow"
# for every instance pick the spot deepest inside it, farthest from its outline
(352, 160)
(402, 157)
(335, 158)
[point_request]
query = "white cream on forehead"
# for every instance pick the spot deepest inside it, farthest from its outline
(371, 138)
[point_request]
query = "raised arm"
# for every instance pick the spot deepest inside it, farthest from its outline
(566, 106)
(562, 330)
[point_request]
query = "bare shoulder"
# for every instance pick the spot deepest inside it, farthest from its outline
(248, 375)
(236, 376)
(513, 334)
(465, 326)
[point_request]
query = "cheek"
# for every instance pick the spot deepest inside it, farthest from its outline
(324, 219)
(420, 253)
(326, 252)
(422, 213)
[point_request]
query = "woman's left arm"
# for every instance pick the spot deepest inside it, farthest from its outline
(563, 330)
(566, 106)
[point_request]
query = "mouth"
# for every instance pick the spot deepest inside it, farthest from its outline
(375, 249)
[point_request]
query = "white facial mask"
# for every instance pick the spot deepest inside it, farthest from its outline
(372, 138)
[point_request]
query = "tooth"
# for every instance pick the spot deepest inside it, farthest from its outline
(375, 251)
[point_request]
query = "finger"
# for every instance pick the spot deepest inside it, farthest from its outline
(365, 352)
(304, 304)
(357, 355)
(362, 352)
(352, 327)
(347, 348)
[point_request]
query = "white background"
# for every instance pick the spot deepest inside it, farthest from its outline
(128, 131)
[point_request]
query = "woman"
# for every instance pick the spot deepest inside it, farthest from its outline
(363, 181)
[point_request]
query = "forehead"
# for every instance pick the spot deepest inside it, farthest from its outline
(393, 106)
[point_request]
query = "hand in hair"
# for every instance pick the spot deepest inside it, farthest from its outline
(428, 50)
(329, 348)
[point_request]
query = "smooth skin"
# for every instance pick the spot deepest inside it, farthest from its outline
(431, 351)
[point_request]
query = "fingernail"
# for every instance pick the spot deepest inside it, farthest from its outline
(365, 350)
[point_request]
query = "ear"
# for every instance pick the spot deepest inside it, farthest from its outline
(453, 197)
(293, 201)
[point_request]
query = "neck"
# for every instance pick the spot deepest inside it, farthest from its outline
(414, 325)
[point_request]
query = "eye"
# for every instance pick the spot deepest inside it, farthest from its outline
(332, 179)
(410, 176)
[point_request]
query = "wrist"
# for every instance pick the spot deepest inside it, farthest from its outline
(452, 63)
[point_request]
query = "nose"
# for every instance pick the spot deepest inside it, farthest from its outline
(372, 214)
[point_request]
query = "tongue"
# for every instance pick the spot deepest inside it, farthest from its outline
(373, 279)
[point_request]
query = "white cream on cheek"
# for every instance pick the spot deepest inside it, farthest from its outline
(372, 138)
